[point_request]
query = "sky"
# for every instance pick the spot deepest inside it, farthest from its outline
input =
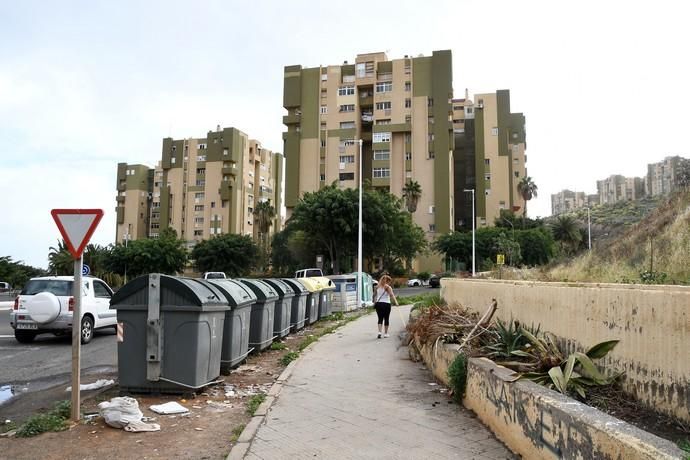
(604, 86)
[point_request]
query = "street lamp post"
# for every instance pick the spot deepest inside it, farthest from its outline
(359, 233)
(589, 230)
(474, 267)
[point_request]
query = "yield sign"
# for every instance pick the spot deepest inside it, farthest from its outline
(76, 227)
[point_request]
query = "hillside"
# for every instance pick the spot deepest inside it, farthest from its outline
(625, 252)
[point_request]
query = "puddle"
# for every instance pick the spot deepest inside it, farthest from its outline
(6, 393)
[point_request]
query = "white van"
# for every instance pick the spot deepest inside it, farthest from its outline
(308, 272)
(214, 276)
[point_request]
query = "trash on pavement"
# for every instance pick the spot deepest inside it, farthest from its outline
(123, 412)
(168, 408)
(100, 383)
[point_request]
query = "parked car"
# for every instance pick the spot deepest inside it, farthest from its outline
(45, 305)
(214, 276)
(416, 282)
(308, 272)
(5, 287)
(435, 281)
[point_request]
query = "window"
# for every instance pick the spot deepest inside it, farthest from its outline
(199, 207)
(487, 176)
(502, 204)
(347, 108)
(213, 204)
(99, 290)
(408, 86)
(408, 155)
(201, 146)
(432, 227)
(431, 120)
(198, 220)
(432, 209)
(155, 226)
(384, 87)
(347, 158)
(155, 215)
(324, 77)
(250, 210)
(172, 160)
(382, 172)
(487, 192)
(322, 177)
(201, 170)
(323, 143)
(431, 137)
(382, 154)
(517, 173)
(324, 109)
(408, 118)
(408, 138)
(494, 131)
(381, 137)
(432, 155)
(385, 121)
(347, 176)
(430, 102)
(155, 204)
(383, 105)
(200, 183)
(360, 70)
(201, 158)
(225, 152)
(198, 232)
(385, 76)
(346, 90)
(487, 161)
(469, 109)
(224, 204)
(408, 103)
(347, 124)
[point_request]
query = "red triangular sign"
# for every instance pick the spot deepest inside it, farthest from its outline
(76, 227)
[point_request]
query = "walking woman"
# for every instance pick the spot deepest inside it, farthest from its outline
(382, 297)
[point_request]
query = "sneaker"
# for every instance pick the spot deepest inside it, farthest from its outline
(386, 335)
(379, 336)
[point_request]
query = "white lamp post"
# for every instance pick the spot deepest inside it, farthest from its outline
(473, 227)
(589, 230)
(359, 233)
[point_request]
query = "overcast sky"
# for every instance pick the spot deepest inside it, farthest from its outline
(85, 85)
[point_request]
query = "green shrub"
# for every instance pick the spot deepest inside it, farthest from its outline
(457, 373)
(289, 357)
(236, 432)
(55, 420)
(278, 346)
(254, 403)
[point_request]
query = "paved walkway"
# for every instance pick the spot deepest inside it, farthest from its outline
(356, 397)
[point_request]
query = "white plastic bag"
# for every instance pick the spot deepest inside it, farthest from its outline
(120, 412)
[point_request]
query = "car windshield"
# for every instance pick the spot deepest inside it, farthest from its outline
(313, 273)
(213, 276)
(56, 287)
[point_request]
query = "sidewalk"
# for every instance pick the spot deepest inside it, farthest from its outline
(354, 396)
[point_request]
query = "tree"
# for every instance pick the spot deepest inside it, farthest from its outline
(528, 190)
(60, 261)
(264, 213)
(566, 231)
(412, 191)
(683, 174)
(17, 273)
(236, 255)
(537, 246)
(166, 254)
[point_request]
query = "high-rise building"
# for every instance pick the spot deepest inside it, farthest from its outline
(400, 109)
(567, 201)
(619, 188)
(661, 176)
(489, 157)
(201, 187)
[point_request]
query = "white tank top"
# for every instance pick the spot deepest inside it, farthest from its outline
(382, 295)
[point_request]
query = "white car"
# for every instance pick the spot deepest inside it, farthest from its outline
(45, 305)
(416, 282)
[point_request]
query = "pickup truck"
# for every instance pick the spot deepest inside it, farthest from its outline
(308, 272)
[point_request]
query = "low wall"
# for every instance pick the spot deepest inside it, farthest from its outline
(539, 423)
(651, 322)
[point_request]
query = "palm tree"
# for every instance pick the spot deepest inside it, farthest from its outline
(566, 231)
(412, 191)
(264, 213)
(528, 190)
(60, 261)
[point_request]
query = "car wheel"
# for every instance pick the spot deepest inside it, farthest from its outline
(86, 331)
(24, 336)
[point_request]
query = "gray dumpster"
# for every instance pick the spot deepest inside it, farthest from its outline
(237, 320)
(172, 333)
(299, 304)
(325, 299)
(312, 309)
(283, 306)
(345, 293)
(261, 324)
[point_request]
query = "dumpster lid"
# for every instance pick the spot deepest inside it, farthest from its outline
(324, 283)
(296, 286)
(262, 290)
(283, 289)
(238, 294)
(309, 283)
(176, 293)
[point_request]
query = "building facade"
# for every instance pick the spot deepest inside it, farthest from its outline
(661, 176)
(489, 157)
(619, 188)
(201, 187)
(567, 201)
(400, 109)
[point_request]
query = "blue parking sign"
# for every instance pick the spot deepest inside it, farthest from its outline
(85, 270)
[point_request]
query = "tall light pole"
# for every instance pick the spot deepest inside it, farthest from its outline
(589, 230)
(474, 267)
(359, 233)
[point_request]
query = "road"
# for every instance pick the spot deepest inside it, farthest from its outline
(410, 291)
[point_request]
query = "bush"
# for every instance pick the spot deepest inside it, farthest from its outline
(55, 420)
(457, 373)
(254, 403)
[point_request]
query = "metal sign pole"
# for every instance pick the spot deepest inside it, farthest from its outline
(76, 339)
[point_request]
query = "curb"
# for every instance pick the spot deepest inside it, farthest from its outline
(240, 449)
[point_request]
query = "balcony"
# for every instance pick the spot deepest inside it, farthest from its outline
(291, 119)
(366, 101)
(229, 170)
(367, 117)
(120, 199)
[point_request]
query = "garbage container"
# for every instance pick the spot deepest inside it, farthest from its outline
(345, 292)
(261, 324)
(367, 289)
(283, 306)
(312, 307)
(325, 298)
(172, 333)
(236, 328)
(299, 304)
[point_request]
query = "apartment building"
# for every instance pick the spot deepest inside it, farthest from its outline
(201, 187)
(567, 201)
(489, 157)
(400, 109)
(619, 188)
(661, 176)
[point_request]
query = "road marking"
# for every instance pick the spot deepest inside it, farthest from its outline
(6, 336)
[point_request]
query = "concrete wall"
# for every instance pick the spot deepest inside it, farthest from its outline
(651, 322)
(539, 423)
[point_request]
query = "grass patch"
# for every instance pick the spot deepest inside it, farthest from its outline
(457, 373)
(685, 447)
(55, 420)
(237, 431)
(289, 357)
(278, 346)
(5, 427)
(308, 341)
(254, 403)
(421, 300)
(335, 316)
